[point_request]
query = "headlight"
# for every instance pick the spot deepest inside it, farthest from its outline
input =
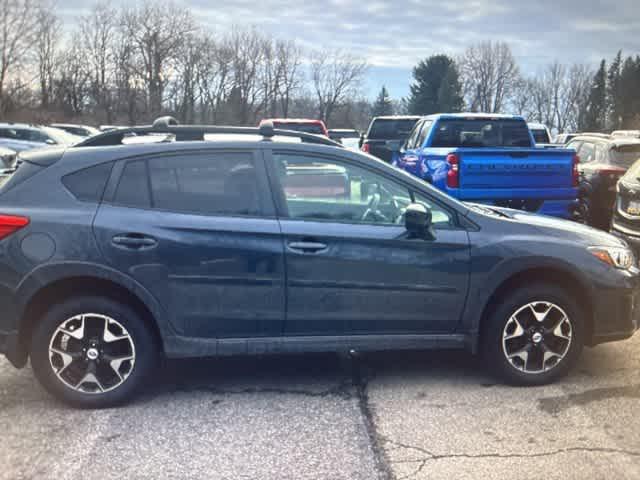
(618, 257)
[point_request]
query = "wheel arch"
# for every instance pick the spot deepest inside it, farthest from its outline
(53, 284)
(555, 275)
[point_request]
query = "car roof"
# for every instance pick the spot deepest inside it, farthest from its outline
(342, 130)
(398, 117)
(18, 125)
(614, 141)
(69, 125)
(294, 120)
(537, 126)
(474, 115)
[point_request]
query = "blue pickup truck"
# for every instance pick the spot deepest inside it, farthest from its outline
(491, 159)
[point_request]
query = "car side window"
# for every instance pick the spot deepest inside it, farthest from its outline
(224, 183)
(412, 140)
(601, 153)
(327, 189)
(587, 152)
(426, 127)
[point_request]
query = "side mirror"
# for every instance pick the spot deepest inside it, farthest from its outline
(417, 220)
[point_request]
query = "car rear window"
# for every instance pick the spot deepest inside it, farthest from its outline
(391, 129)
(301, 127)
(625, 155)
(481, 133)
(540, 136)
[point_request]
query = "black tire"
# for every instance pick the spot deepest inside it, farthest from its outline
(497, 322)
(146, 351)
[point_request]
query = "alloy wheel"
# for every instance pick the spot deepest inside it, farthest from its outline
(92, 353)
(537, 337)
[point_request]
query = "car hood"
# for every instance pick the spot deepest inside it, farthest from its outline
(564, 229)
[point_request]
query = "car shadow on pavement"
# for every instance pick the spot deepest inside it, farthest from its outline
(314, 374)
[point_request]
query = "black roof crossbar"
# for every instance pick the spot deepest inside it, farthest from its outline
(189, 133)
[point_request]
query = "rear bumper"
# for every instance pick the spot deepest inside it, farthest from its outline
(616, 312)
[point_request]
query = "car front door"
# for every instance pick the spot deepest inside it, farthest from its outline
(199, 232)
(351, 268)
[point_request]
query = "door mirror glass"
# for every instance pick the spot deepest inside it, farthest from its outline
(418, 221)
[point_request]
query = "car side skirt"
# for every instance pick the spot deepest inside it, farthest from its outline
(182, 347)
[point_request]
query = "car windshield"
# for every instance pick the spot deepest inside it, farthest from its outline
(300, 127)
(391, 129)
(472, 132)
(625, 155)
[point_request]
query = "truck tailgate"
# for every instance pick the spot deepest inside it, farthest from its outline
(513, 169)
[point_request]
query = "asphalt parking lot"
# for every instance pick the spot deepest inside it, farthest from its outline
(434, 415)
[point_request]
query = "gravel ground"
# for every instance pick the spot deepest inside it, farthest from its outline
(379, 416)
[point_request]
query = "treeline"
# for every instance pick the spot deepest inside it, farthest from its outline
(487, 78)
(130, 65)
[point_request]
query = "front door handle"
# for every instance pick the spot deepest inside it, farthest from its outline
(307, 247)
(134, 241)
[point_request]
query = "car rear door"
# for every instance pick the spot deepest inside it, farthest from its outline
(198, 230)
(351, 268)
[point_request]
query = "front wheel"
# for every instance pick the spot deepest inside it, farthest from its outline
(534, 335)
(92, 352)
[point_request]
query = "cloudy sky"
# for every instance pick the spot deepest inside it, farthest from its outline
(393, 36)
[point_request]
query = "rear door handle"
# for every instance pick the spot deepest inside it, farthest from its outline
(307, 247)
(134, 241)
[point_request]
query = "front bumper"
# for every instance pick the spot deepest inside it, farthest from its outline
(616, 312)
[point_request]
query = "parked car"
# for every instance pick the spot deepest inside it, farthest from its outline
(348, 137)
(492, 159)
(626, 212)
(77, 130)
(540, 132)
(7, 158)
(305, 125)
(626, 133)
(20, 137)
(603, 161)
(385, 135)
(563, 138)
(121, 253)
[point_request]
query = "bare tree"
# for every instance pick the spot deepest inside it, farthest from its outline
(98, 32)
(157, 30)
(247, 93)
(289, 56)
(72, 87)
(489, 75)
(214, 77)
(336, 76)
(47, 43)
(18, 26)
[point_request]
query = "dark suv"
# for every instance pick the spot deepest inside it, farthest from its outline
(386, 135)
(603, 161)
(231, 241)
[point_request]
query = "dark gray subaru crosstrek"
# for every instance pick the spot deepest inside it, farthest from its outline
(230, 241)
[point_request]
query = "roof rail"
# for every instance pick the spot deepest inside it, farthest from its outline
(184, 133)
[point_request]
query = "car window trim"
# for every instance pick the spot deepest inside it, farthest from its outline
(282, 210)
(267, 206)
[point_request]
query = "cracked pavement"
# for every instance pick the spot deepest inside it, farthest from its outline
(388, 416)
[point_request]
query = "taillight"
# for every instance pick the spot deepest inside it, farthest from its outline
(574, 172)
(365, 147)
(10, 224)
(453, 175)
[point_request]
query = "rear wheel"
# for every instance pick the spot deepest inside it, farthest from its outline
(534, 335)
(92, 352)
